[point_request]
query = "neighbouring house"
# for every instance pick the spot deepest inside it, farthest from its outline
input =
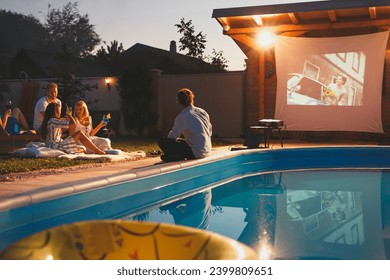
(171, 70)
(169, 62)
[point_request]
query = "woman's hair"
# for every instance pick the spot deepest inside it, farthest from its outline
(81, 103)
(50, 112)
(185, 97)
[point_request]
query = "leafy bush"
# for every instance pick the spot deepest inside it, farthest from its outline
(137, 95)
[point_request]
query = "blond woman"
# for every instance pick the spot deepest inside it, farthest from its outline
(83, 123)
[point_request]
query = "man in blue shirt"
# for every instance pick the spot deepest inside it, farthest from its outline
(13, 121)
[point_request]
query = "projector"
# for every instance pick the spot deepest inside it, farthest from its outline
(270, 123)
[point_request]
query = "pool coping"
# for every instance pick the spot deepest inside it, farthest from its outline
(81, 182)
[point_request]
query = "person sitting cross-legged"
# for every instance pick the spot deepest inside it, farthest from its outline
(51, 131)
(83, 122)
(194, 124)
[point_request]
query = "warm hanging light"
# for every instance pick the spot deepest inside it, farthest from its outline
(265, 38)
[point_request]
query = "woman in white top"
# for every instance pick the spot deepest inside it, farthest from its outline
(339, 91)
(51, 131)
(83, 122)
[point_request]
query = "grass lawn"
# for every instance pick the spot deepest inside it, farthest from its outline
(12, 164)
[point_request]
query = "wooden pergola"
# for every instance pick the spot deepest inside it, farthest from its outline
(311, 19)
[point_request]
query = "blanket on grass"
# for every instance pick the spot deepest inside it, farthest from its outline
(38, 150)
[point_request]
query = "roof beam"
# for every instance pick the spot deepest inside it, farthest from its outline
(293, 18)
(301, 7)
(225, 23)
(316, 26)
(293, 33)
(332, 15)
(245, 39)
(372, 11)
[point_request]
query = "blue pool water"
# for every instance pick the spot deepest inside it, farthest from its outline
(247, 195)
(322, 214)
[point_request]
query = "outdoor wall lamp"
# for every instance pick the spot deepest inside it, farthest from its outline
(108, 83)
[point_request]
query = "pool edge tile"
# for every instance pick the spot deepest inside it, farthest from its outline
(14, 202)
(122, 178)
(147, 171)
(89, 184)
(50, 194)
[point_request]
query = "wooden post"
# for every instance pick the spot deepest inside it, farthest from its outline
(261, 84)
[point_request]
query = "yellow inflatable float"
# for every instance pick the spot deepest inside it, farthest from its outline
(126, 240)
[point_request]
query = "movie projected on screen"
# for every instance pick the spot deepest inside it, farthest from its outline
(330, 84)
(335, 79)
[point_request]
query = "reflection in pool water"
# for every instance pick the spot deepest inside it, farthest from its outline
(321, 214)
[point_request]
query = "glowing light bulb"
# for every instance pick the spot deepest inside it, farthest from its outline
(265, 38)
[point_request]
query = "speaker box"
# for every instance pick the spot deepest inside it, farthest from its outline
(252, 141)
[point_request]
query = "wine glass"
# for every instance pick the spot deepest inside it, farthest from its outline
(106, 120)
(68, 110)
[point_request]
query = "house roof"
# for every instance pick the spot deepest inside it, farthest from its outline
(309, 19)
(170, 62)
(38, 64)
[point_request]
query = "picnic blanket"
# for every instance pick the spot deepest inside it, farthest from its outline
(38, 150)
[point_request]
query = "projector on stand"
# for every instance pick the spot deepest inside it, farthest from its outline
(270, 123)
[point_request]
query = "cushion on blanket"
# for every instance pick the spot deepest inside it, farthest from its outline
(38, 150)
(44, 152)
(35, 144)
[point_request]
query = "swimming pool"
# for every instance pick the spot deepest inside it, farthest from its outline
(311, 214)
(134, 196)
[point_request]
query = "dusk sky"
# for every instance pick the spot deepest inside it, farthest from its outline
(150, 22)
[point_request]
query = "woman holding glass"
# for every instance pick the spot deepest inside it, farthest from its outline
(51, 131)
(83, 123)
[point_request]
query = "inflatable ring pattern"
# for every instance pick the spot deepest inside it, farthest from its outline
(126, 240)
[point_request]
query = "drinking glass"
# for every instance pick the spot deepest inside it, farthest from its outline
(68, 110)
(106, 120)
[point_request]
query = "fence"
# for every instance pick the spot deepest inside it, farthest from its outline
(221, 95)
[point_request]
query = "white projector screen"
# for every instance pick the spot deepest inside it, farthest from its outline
(330, 84)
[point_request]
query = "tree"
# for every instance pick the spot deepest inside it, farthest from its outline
(218, 60)
(70, 89)
(67, 27)
(137, 95)
(195, 44)
(106, 57)
(18, 32)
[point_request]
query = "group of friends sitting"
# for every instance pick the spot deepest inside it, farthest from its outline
(72, 133)
(189, 138)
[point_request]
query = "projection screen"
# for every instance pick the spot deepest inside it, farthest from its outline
(330, 84)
